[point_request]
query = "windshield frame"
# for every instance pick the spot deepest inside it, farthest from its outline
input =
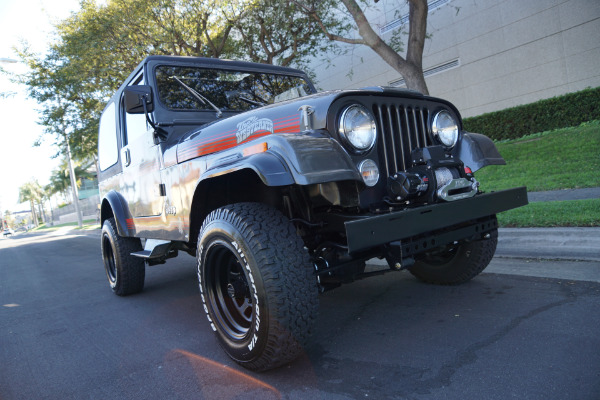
(221, 67)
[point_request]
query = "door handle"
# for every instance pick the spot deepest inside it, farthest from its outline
(125, 157)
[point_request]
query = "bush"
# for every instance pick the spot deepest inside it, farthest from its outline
(557, 112)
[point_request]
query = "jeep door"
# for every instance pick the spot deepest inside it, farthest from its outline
(141, 159)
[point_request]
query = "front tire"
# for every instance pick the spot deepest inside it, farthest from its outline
(256, 285)
(125, 273)
(456, 264)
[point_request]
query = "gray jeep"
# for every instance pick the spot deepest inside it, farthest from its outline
(281, 192)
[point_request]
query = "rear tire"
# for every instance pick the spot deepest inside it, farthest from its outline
(256, 284)
(456, 264)
(125, 273)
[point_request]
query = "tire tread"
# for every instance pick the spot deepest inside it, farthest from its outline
(287, 277)
(132, 271)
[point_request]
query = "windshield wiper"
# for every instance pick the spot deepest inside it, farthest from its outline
(203, 100)
(254, 103)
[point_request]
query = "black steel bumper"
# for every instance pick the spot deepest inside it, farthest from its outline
(368, 232)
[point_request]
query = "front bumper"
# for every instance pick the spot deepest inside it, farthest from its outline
(368, 232)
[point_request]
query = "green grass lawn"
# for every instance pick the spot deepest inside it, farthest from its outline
(553, 213)
(562, 159)
(87, 224)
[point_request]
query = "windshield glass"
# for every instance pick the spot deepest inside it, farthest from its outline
(228, 90)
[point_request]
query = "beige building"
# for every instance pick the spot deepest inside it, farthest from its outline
(485, 55)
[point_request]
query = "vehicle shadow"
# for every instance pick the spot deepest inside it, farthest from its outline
(383, 336)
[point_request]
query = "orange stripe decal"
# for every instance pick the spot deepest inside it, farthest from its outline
(250, 129)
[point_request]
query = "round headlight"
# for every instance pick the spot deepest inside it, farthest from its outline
(445, 128)
(357, 128)
(369, 172)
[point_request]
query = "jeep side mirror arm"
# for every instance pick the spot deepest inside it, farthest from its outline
(138, 99)
(159, 133)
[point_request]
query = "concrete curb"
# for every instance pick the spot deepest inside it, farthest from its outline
(582, 244)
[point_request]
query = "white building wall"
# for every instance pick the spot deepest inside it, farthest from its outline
(510, 52)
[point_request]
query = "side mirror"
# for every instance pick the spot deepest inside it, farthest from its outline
(135, 98)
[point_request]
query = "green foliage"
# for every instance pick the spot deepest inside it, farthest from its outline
(31, 191)
(67, 112)
(553, 213)
(558, 112)
(97, 47)
(561, 159)
(282, 32)
(60, 180)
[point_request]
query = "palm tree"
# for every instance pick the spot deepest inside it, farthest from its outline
(32, 192)
(60, 180)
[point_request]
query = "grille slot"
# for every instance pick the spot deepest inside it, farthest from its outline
(402, 129)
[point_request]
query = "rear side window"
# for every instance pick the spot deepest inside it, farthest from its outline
(135, 124)
(108, 152)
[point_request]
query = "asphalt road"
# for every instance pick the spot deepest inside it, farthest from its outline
(64, 335)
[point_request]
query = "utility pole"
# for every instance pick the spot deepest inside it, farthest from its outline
(73, 182)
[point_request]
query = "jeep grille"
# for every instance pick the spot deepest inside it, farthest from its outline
(402, 129)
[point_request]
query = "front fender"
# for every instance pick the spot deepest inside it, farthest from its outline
(294, 159)
(314, 159)
(270, 168)
(477, 151)
(115, 203)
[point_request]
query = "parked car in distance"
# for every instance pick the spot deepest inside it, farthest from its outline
(281, 192)
(8, 232)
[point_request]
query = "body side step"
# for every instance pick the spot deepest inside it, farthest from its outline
(154, 248)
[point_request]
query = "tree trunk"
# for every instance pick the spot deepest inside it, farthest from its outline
(41, 210)
(411, 68)
(33, 213)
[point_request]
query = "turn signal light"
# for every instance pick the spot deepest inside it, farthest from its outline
(255, 149)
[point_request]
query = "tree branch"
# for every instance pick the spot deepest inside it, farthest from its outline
(331, 36)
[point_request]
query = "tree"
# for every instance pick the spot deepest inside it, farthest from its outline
(33, 193)
(60, 180)
(5, 95)
(98, 46)
(280, 32)
(9, 219)
(52, 83)
(411, 66)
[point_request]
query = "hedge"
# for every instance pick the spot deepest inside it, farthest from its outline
(557, 112)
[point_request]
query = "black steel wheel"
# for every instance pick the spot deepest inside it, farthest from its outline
(125, 273)
(457, 263)
(256, 285)
(228, 290)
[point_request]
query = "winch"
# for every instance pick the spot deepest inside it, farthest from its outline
(434, 174)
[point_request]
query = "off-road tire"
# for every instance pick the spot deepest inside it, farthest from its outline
(125, 272)
(256, 285)
(456, 264)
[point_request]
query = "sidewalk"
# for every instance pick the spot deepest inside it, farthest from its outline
(564, 194)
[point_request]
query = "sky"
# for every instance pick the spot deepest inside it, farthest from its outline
(29, 20)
